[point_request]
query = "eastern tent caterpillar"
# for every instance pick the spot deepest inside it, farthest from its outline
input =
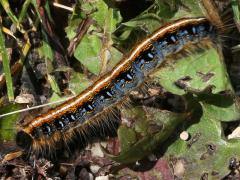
(49, 130)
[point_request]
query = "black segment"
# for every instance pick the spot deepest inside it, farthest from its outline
(62, 122)
(147, 55)
(58, 123)
(72, 117)
(200, 28)
(77, 115)
(109, 94)
(189, 30)
(46, 129)
(182, 33)
(144, 57)
(65, 119)
(139, 63)
(36, 132)
(89, 106)
(150, 55)
(129, 76)
(171, 39)
(106, 93)
(163, 43)
(126, 76)
(101, 98)
(194, 30)
(82, 111)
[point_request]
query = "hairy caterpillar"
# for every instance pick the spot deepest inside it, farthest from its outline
(62, 124)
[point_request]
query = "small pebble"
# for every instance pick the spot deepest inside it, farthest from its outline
(94, 168)
(184, 136)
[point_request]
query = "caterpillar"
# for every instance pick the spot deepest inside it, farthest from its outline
(62, 124)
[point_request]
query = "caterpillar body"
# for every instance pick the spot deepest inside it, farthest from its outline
(51, 129)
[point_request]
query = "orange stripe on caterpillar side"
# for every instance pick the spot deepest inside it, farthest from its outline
(81, 113)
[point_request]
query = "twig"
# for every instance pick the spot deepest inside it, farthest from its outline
(63, 6)
(35, 107)
(81, 31)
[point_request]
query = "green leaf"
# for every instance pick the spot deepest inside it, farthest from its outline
(101, 12)
(161, 125)
(45, 51)
(167, 8)
(222, 107)
(91, 51)
(7, 123)
(126, 141)
(74, 21)
(147, 22)
(211, 151)
(204, 68)
(79, 82)
(189, 8)
(88, 53)
(53, 83)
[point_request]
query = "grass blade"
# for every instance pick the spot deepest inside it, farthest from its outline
(6, 67)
